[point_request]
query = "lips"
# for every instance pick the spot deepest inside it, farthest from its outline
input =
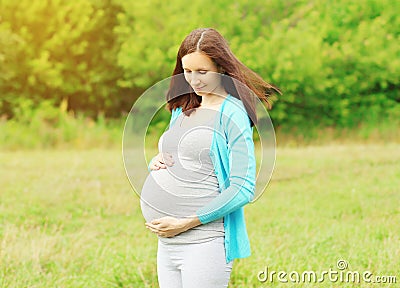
(198, 88)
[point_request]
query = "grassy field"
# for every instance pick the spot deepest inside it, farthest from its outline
(71, 219)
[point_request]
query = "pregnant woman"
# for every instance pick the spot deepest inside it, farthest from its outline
(205, 171)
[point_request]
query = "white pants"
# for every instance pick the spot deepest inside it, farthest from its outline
(198, 265)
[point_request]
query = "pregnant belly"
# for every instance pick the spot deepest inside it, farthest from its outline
(172, 192)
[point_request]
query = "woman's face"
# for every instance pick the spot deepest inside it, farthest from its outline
(202, 74)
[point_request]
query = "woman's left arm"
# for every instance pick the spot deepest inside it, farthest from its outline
(240, 183)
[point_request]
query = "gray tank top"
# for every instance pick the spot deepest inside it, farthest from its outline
(180, 190)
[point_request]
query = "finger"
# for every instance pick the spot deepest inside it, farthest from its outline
(160, 158)
(152, 226)
(155, 222)
(169, 162)
(166, 159)
(161, 226)
(151, 229)
(149, 226)
(154, 229)
(161, 165)
(154, 167)
(157, 165)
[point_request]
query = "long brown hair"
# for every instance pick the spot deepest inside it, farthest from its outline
(211, 43)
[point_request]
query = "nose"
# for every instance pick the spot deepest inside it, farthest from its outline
(194, 79)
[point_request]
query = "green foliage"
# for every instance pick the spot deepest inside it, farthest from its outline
(59, 50)
(337, 62)
(48, 126)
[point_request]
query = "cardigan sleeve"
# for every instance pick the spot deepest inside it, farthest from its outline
(240, 183)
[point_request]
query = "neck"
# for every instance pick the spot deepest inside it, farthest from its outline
(213, 100)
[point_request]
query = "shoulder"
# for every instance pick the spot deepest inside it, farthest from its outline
(233, 104)
(234, 110)
(175, 112)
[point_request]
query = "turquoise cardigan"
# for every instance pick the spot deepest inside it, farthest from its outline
(232, 153)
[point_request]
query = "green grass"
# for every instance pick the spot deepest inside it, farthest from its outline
(49, 127)
(69, 218)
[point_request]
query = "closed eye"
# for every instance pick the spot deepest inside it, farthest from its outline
(202, 72)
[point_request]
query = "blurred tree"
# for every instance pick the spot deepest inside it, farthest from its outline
(60, 50)
(337, 62)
